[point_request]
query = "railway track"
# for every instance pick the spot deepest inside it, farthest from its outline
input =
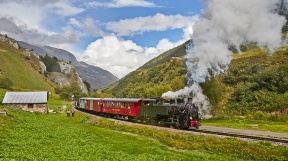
(238, 135)
(199, 131)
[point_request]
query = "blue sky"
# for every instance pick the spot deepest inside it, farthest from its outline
(100, 32)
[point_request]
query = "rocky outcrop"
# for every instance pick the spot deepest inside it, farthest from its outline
(43, 67)
(65, 76)
(81, 84)
(10, 41)
(65, 67)
(31, 52)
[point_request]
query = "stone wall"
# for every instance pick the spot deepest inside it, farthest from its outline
(42, 108)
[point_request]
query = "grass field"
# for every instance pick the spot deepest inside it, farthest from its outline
(35, 136)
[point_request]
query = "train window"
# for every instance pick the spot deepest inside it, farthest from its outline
(145, 103)
(129, 105)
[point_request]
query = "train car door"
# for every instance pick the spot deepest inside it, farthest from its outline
(136, 108)
(91, 105)
(82, 103)
(97, 105)
(88, 104)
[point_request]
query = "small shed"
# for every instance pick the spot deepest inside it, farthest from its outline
(28, 101)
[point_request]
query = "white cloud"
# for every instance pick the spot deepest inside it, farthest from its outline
(121, 3)
(88, 26)
(115, 55)
(64, 8)
(121, 57)
(22, 14)
(30, 15)
(158, 22)
(32, 12)
(76, 23)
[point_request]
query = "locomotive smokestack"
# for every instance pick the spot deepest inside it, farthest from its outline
(180, 100)
(190, 100)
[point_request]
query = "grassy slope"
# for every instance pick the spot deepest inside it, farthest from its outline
(30, 136)
(20, 70)
(249, 58)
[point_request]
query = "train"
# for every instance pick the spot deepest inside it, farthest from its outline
(178, 113)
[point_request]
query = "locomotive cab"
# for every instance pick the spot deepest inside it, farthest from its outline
(194, 117)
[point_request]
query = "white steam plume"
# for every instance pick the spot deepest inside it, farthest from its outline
(227, 23)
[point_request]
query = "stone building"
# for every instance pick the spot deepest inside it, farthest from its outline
(28, 101)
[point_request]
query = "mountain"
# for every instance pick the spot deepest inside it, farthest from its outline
(20, 71)
(95, 76)
(23, 69)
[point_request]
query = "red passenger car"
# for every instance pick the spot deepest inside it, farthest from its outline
(113, 106)
(122, 106)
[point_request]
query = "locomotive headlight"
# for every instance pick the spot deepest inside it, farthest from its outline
(190, 117)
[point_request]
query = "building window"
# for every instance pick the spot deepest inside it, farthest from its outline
(30, 105)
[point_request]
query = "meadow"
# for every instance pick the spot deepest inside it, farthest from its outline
(54, 136)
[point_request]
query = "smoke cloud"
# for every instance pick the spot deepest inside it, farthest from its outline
(227, 23)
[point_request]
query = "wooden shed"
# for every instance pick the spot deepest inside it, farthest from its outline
(28, 101)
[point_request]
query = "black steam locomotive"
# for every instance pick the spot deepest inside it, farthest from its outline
(177, 113)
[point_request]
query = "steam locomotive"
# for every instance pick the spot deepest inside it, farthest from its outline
(179, 113)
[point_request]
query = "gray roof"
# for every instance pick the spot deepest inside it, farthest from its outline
(121, 99)
(87, 98)
(118, 99)
(25, 97)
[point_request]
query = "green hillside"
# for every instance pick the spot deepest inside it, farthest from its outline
(20, 69)
(255, 82)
